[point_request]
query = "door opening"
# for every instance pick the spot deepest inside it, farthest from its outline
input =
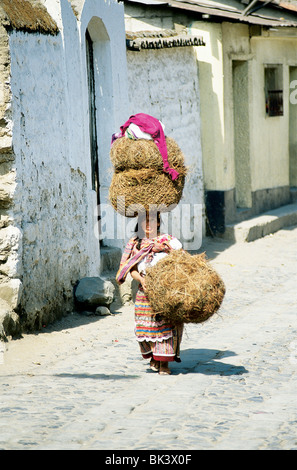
(240, 74)
(93, 125)
(292, 129)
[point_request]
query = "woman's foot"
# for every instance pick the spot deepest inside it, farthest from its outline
(164, 368)
(155, 365)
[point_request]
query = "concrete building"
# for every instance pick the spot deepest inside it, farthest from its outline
(247, 80)
(247, 76)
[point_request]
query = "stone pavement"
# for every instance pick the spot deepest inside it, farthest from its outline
(81, 383)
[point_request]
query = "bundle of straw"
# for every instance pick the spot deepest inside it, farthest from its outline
(139, 181)
(127, 154)
(184, 288)
(142, 189)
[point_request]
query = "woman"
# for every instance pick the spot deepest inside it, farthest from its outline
(157, 339)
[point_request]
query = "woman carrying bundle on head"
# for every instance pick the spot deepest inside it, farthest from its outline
(158, 339)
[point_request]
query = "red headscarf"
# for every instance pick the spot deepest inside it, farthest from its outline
(151, 126)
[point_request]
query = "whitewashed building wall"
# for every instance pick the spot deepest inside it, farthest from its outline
(164, 83)
(50, 224)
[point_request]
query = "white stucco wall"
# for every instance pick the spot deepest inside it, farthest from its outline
(216, 167)
(164, 84)
(54, 204)
(53, 201)
(270, 146)
(107, 30)
(268, 136)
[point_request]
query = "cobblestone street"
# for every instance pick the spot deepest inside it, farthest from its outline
(82, 384)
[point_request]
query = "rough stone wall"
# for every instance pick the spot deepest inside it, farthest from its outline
(10, 285)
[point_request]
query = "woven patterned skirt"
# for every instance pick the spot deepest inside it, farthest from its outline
(156, 338)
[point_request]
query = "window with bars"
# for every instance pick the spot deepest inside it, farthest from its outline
(274, 90)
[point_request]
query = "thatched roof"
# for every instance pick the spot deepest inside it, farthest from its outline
(135, 41)
(27, 15)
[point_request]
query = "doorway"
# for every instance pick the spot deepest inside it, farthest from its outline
(240, 77)
(293, 128)
(93, 126)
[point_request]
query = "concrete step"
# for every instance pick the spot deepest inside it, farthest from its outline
(262, 225)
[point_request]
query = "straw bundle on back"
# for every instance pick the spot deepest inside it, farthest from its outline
(144, 188)
(126, 154)
(139, 180)
(184, 288)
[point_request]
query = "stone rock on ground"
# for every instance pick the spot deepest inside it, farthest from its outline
(92, 292)
(9, 320)
(102, 311)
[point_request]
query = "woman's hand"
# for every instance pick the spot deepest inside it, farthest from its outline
(143, 282)
(158, 247)
(141, 279)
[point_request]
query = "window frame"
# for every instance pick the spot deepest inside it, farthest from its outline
(274, 90)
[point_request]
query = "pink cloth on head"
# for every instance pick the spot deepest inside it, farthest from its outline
(153, 127)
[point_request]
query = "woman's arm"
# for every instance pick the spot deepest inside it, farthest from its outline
(135, 275)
